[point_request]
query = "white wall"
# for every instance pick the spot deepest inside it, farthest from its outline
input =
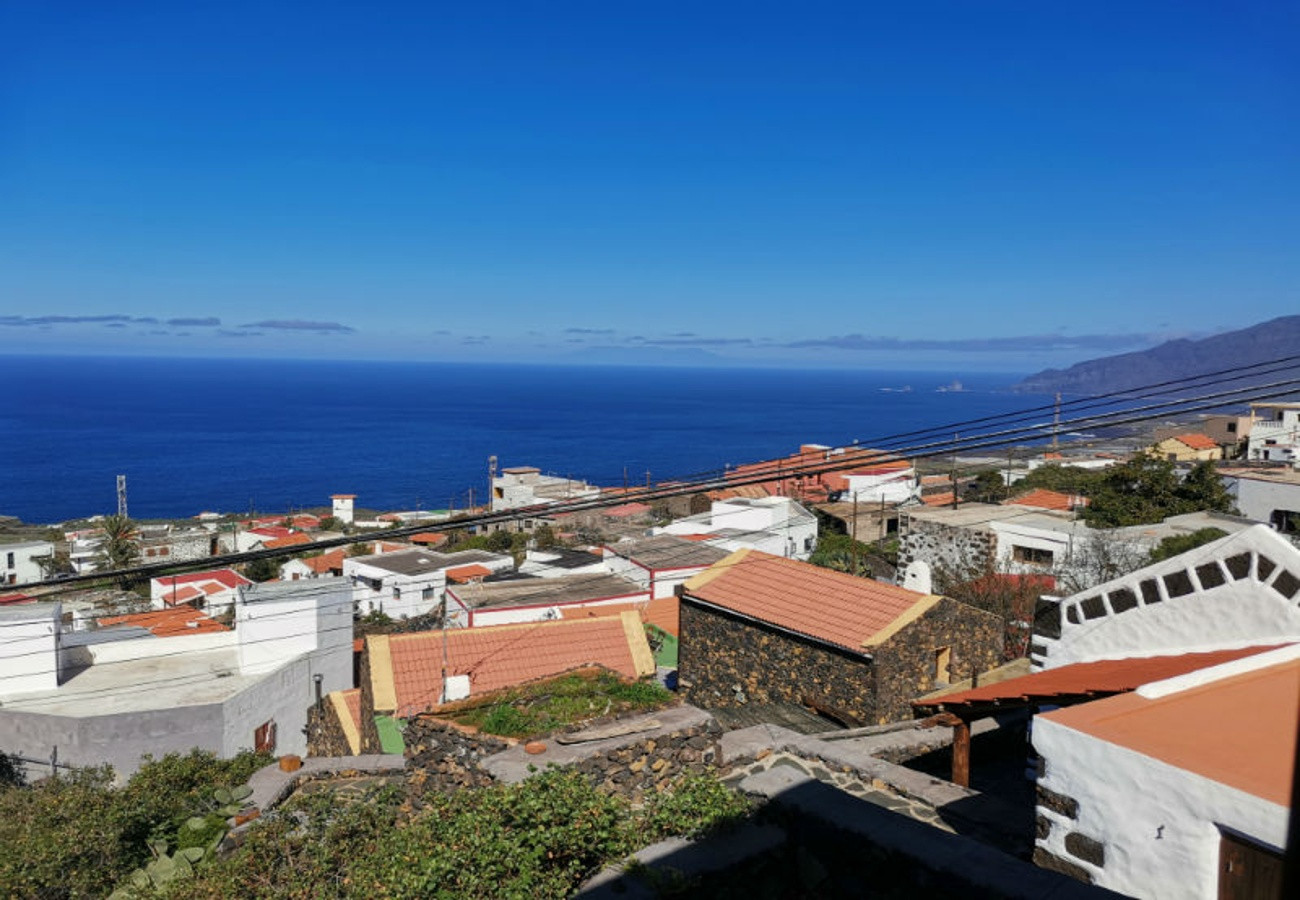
(1158, 822)
(18, 562)
(1257, 499)
(29, 648)
(895, 487)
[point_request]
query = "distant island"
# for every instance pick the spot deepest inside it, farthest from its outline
(1273, 340)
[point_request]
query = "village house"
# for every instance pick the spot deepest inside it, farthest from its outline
(159, 543)
(325, 564)
(516, 599)
(213, 591)
(410, 583)
(1188, 447)
(406, 674)
(113, 694)
(776, 525)
(1269, 495)
(558, 562)
(890, 481)
(19, 561)
(757, 628)
(659, 564)
(1274, 432)
(521, 486)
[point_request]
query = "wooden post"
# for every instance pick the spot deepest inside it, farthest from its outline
(961, 754)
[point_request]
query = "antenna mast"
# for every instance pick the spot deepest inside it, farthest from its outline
(121, 496)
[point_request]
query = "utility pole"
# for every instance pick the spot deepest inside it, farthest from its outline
(647, 478)
(854, 538)
(1056, 423)
(121, 497)
(952, 474)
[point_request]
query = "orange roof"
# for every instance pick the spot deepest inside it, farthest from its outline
(819, 603)
(744, 491)
(1090, 679)
(1239, 730)
(326, 562)
(1197, 441)
(168, 622)
(627, 510)
(1053, 456)
(943, 499)
(289, 540)
(429, 538)
(406, 669)
(463, 574)
(1042, 498)
(663, 613)
(183, 594)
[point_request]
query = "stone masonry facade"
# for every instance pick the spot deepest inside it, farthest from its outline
(946, 547)
(725, 661)
(1056, 828)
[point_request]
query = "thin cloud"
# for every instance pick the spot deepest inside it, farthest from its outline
(1012, 344)
(302, 325)
(226, 332)
(209, 322)
(65, 320)
(698, 342)
(605, 331)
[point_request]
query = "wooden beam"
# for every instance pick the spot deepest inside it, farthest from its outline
(961, 754)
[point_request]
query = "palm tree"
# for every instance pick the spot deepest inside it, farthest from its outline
(119, 549)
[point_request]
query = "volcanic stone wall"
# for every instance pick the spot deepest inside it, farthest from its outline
(325, 735)
(905, 665)
(647, 765)
(724, 661)
(946, 548)
(443, 758)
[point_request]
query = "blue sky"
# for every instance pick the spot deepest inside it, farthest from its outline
(988, 185)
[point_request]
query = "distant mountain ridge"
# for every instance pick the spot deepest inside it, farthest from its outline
(1276, 339)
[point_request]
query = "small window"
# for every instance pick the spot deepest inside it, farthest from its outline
(10, 563)
(264, 737)
(1232, 428)
(943, 665)
(1032, 555)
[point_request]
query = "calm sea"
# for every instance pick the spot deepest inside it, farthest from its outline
(224, 435)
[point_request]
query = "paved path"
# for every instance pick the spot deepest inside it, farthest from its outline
(270, 785)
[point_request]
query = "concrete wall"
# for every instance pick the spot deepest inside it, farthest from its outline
(1258, 499)
(1139, 826)
(29, 648)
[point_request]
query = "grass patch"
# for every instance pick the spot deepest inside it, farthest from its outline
(560, 702)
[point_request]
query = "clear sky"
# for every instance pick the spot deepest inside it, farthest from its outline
(902, 185)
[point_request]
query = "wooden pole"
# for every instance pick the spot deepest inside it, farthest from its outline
(961, 754)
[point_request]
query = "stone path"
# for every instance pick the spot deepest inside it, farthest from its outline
(271, 785)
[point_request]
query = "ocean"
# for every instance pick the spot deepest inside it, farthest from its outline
(230, 435)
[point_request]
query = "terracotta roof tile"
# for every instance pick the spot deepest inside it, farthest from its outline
(1197, 441)
(1239, 730)
(663, 613)
(943, 499)
(463, 574)
(1041, 498)
(331, 561)
(429, 539)
(1102, 678)
(228, 577)
(499, 656)
(627, 510)
(831, 606)
(290, 540)
(168, 622)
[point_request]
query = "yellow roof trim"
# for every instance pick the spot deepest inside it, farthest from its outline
(382, 689)
(910, 615)
(350, 728)
(719, 568)
(643, 661)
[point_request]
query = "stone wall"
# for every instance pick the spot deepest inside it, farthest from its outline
(946, 547)
(325, 735)
(1057, 812)
(905, 665)
(724, 661)
(647, 765)
(443, 758)
(369, 731)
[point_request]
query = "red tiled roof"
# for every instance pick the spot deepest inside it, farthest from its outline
(184, 594)
(1239, 730)
(663, 613)
(290, 540)
(1041, 498)
(743, 492)
(429, 538)
(6, 599)
(271, 531)
(169, 622)
(831, 606)
(499, 656)
(391, 547)
(463, 574)
(1090, 679)
(228, 577)
(1197, 441)
(326, 562)
(944, 499)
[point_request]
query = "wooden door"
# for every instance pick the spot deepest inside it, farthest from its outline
(1248, 871)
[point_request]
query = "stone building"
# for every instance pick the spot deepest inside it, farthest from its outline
(757, 628)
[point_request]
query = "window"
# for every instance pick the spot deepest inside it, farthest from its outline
(264, 737)
(943, 666)
(1031, 555)
(1232, 428)
(10, 564)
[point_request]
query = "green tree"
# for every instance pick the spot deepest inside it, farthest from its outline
(498, 541)
(1147, 489)
(120, 548)
(264, 569)
(988, 487)
(545, 537)
(1181, 543)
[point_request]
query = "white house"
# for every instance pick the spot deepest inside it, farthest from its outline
(411, 583)
(1270, 495)
(18, 562)
(341, 506)
(775, 525)
(112, 695)
(532, 599)
(558, 562)
(1274, 432)
(659, 564)
(213, 591)
(1178, 790)
(521, 486)
(891, 483)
